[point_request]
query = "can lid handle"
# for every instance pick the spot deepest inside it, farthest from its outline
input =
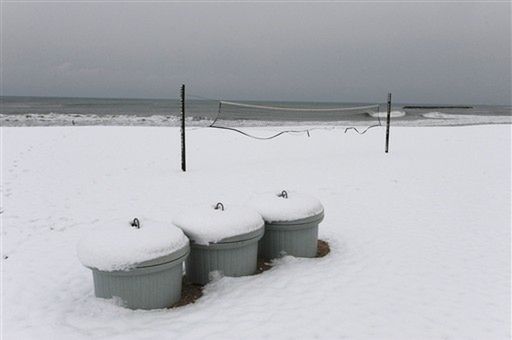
(135, 223)
(283, 194)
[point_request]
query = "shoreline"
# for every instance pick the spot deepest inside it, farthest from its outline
(428, 119)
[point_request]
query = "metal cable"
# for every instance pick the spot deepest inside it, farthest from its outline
(277, 108)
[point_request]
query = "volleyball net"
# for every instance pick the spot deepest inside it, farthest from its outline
(242, 116)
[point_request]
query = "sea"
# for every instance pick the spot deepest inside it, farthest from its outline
(58, 111)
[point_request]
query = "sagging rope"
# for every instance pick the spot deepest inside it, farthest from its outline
(369, 127)
(261, 138)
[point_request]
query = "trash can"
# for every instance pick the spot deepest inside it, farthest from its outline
(140, 263)
(291, 224)
(222, 238)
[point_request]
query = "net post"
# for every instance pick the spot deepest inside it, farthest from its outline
(388, 121)
(183, 158)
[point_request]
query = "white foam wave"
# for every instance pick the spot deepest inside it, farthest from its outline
(440, 115)
(394, 114)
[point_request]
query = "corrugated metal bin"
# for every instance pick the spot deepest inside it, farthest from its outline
(231, 256)
(235, 256)
(291, 224)
(297, 238)
(151, 284)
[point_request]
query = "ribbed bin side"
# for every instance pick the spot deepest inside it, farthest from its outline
(299, 242)
(230, 261)
(142, 288)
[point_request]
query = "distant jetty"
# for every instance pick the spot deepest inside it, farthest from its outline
(437, 107)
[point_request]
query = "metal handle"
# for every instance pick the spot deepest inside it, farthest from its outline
(135, 223)
(219, 206)
(283, 194)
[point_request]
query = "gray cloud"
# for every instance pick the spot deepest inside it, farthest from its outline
(422, 52)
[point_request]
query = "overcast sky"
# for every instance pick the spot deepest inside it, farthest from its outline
(421, 52)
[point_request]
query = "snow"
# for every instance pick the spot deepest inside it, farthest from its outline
(420, 237)
(204, 224)
(116, 245)
(274, 207)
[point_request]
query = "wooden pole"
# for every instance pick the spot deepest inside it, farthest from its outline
(183, 158)
(388, 121)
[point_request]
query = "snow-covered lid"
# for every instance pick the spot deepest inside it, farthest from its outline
(215, 223)
(286, 206)
(124, 244)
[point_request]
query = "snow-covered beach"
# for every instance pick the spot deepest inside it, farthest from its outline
(419, 237)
